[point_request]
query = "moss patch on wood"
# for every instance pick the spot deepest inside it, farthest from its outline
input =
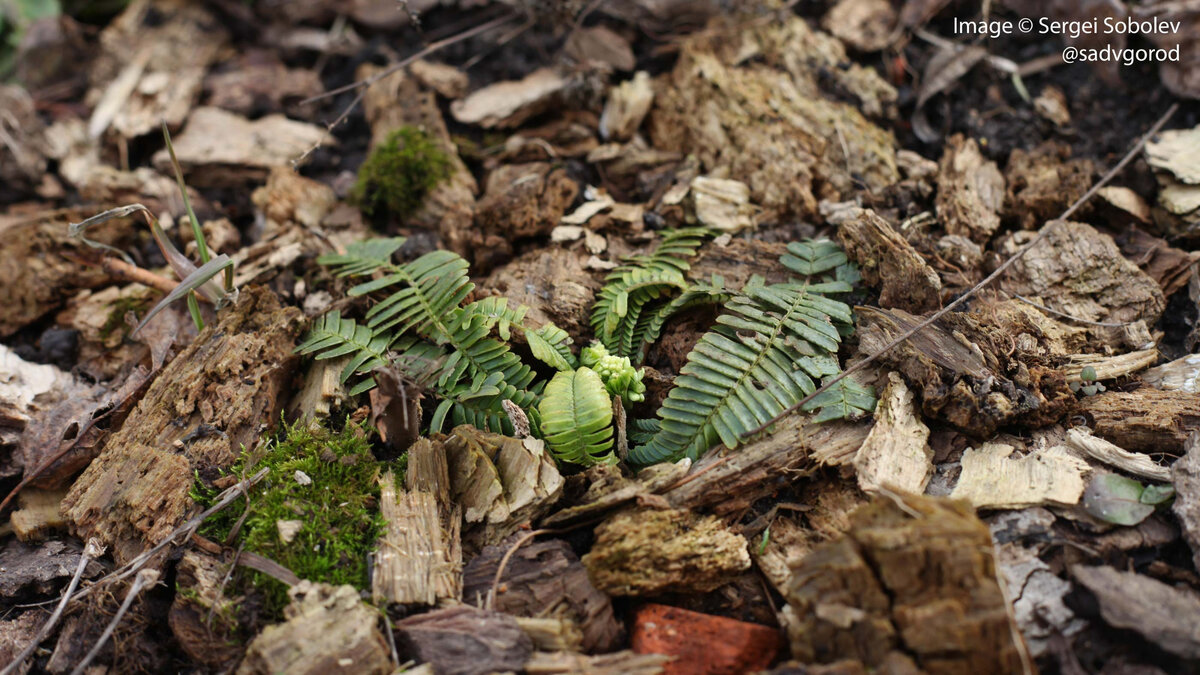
(399, 173)
(324, 487)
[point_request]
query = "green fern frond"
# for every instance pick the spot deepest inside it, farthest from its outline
(332, 336)
(650, 325)
(846, 398)
(634, 287)
(765, 354)
(548, 343)
(576, 418)
(813, 256)
(641, 431)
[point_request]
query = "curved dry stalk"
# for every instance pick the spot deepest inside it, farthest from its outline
(1137, 147)
(144, 578)
(91, 551)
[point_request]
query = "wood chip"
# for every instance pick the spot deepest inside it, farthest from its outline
(993, 479)
(1182, 374)
(896, 454)
(1185, 476)
(508, 104)
(464, 640)
(722, 204)
(416, 562)
(1146, 420)
(626, 107)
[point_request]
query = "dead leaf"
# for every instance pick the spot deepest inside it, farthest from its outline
(943, 70)
(601, 45)
(508, 104)
(396, 409)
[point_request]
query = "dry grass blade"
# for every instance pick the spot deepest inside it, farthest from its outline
(1133, 151)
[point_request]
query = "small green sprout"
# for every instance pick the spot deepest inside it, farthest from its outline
(1087, 384)
(619, 376)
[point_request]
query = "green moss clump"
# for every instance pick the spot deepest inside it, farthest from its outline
(337, 506)
(399, 173)
(116, 314)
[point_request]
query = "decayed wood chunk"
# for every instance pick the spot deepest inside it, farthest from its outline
(1081, 272)
(1182, 374)
(1033, 332)
(1185, 476)
(896, 454)
(738, 259)
(544, 579)
(640, 551)
(327, 630)
(36, 276)
(398, 100)
(970, 190)
(993, 479)
(203, 619)
(916, 577)
(958, 367)
(1164, 615)
(889, 261)
(1043, 182)
(464, 640)
(748, 99)
(208, 403)
(1146, 420)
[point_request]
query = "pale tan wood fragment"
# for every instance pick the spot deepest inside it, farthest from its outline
(1082, 440)
(896, 454)
(993, 479)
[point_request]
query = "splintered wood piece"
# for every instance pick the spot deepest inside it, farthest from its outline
(993, 479)
(1147, 420)
(541, 579)
(464, 640)
(642, 551)
(731, 483)
(501, 483)
(617, 663)
(896, 454)
(327, 630)
(702, 644)
(207, 405)
(1082, 440)
(913, 579)
(1110, 367)
(552, 635)
(889, 261)
(414, 564)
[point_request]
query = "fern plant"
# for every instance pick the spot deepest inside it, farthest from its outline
(643, 284)
(768, 350)
(576, 414)
(420, 325)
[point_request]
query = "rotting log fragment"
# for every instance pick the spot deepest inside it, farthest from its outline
(959, 368)
(1146, 420)
(642, 551)
(327, 630)
(214, 399)
(544, 579)
(914, 576)
(970, 191)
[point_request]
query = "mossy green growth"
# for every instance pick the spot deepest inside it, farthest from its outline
(329, 482)
(399, 172)
(117, 311)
